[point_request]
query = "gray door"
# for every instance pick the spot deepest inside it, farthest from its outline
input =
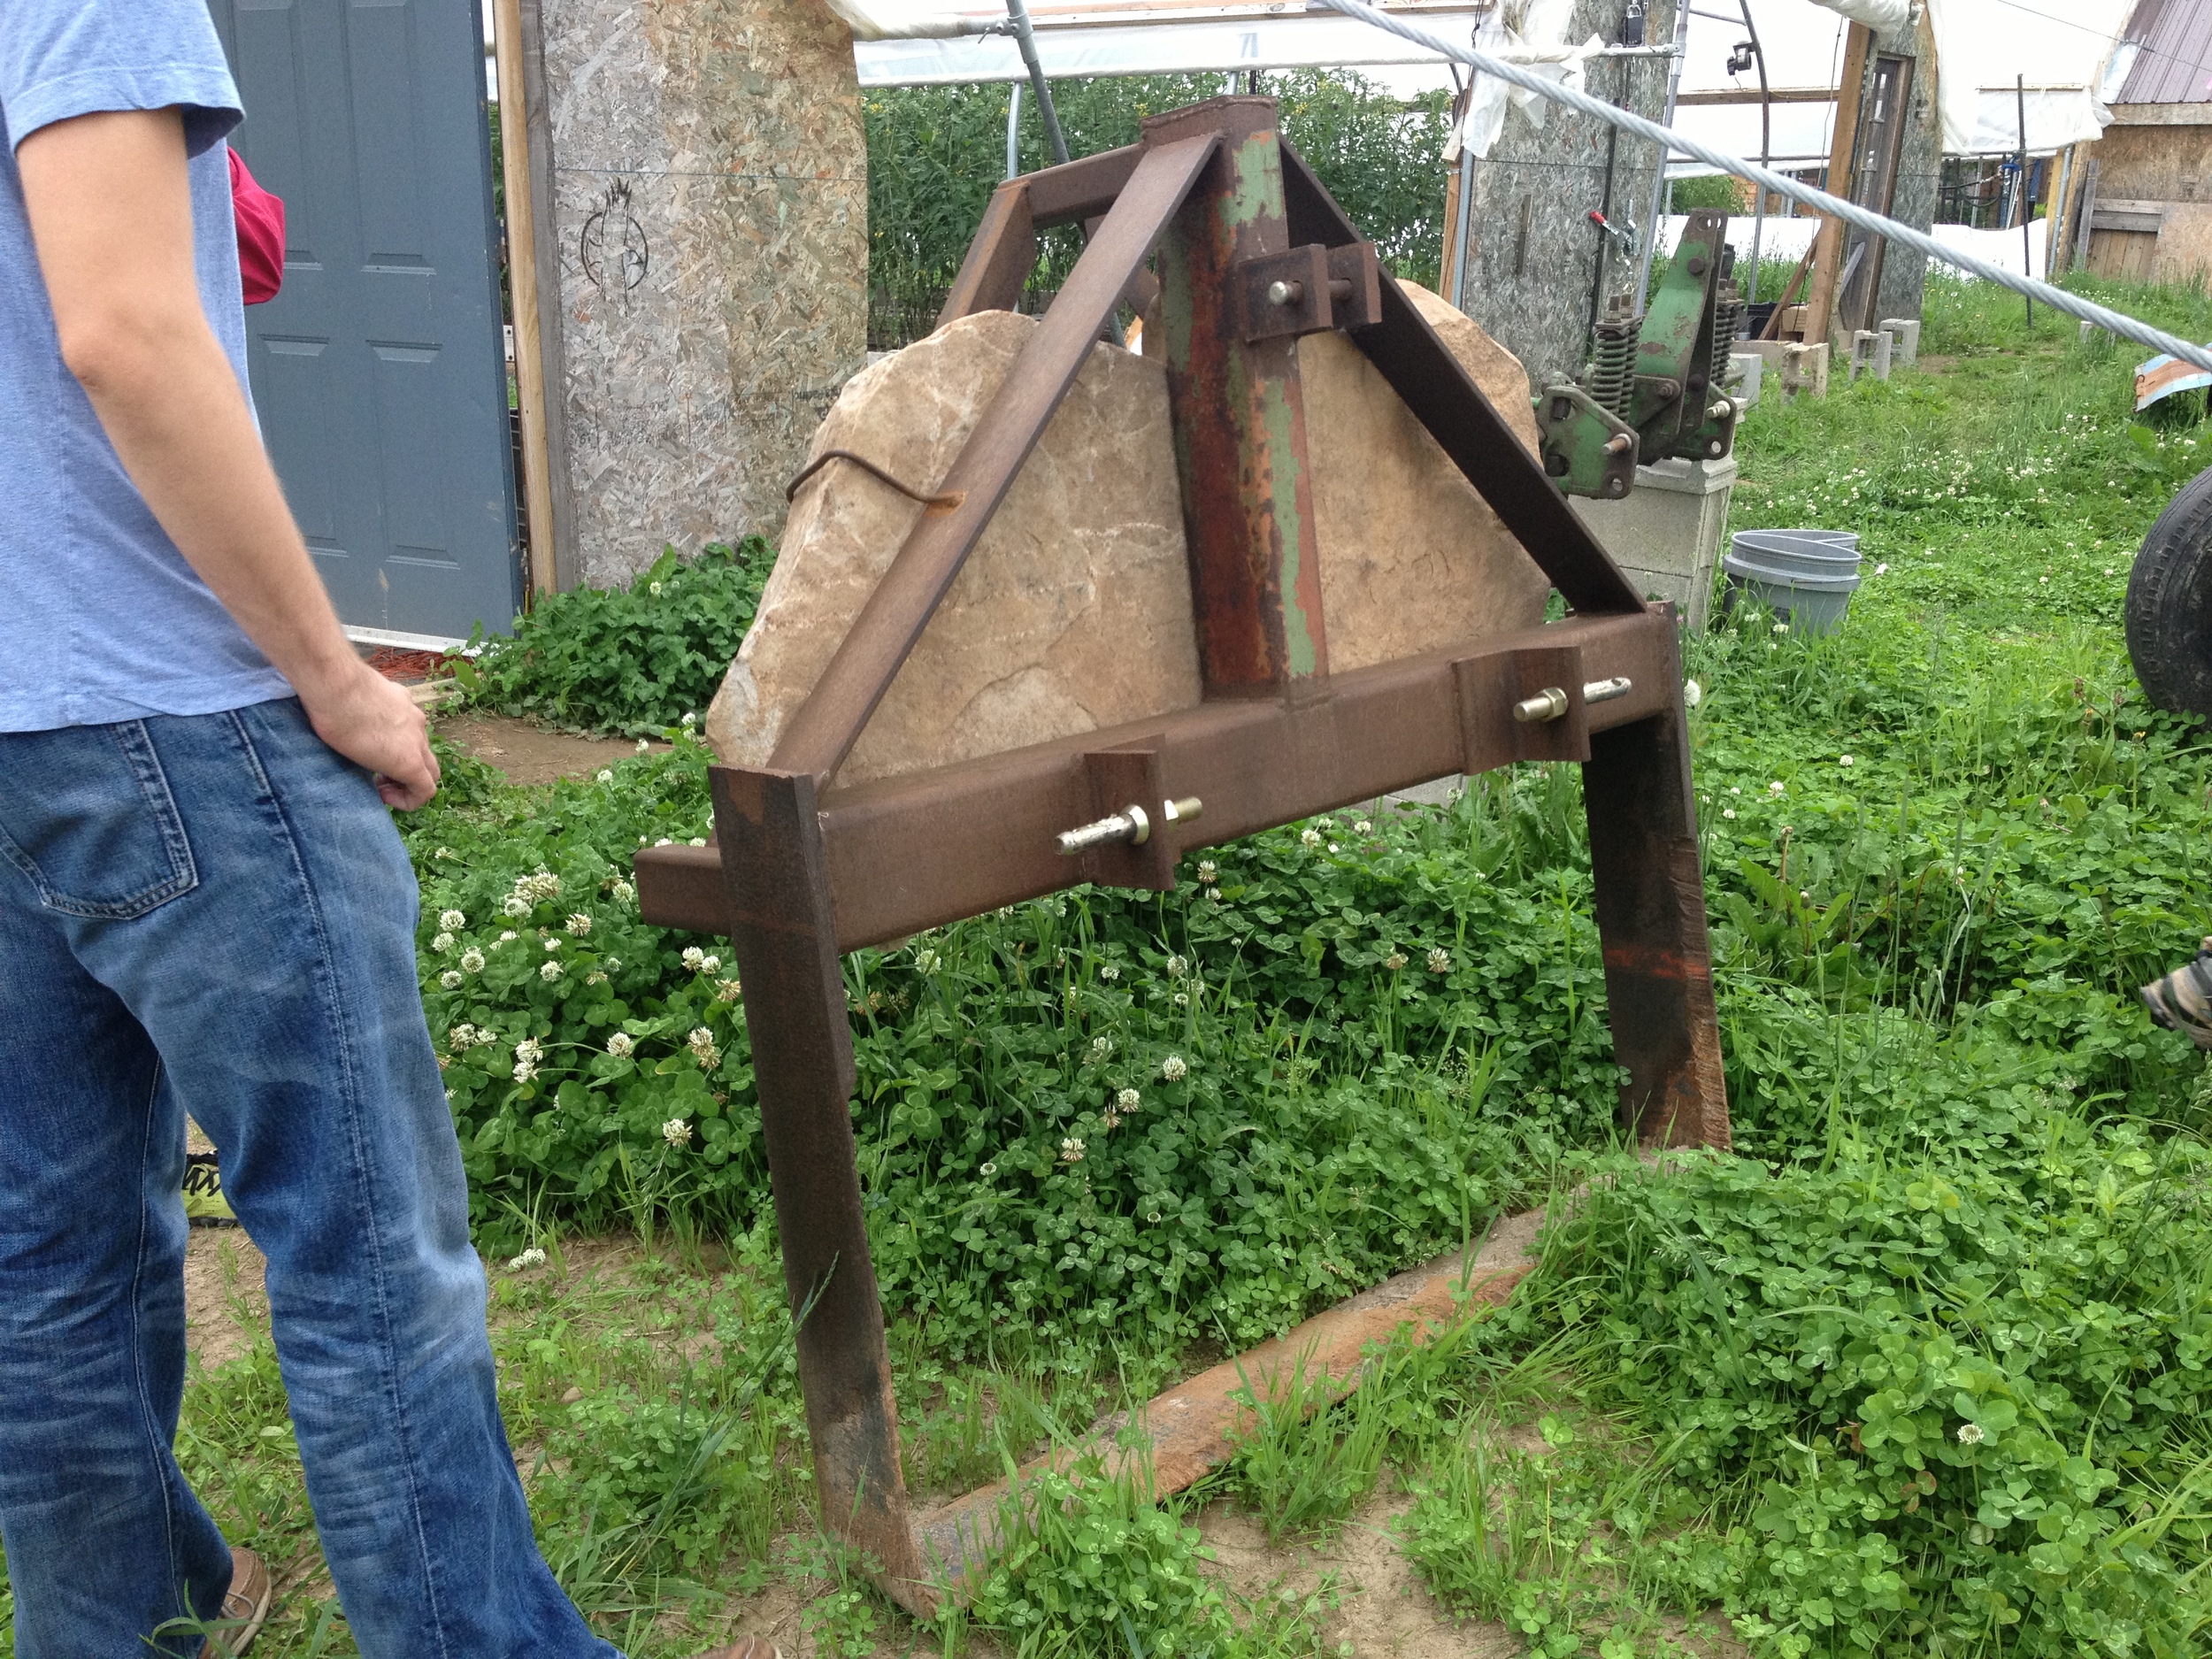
(380, 372)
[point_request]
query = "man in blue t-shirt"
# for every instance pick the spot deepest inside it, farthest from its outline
(204, 908)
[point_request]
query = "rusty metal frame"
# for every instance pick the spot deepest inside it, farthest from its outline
(803, 870)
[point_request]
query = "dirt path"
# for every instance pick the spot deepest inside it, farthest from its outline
(530, 753)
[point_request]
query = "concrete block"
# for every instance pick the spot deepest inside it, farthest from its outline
(1871, 353)
(1805, 370)
(1666, 533)
(1745, 370)
(1906, 332)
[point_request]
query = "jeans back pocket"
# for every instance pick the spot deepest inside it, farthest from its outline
(87, 816)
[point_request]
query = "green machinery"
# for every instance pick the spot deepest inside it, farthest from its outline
(1653, 386)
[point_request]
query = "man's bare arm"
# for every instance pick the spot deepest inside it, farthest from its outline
(110, 207)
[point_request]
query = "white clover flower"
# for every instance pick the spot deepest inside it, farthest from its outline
(1728, 812)
(1213, 895)
(1310, 837)
(623, 892)
(1111, 1119)
(1152, 1215)
(1110, 973)
(1177, 967)
(927, 960)
(531, 1049)
(1126, 1100)
(1776, 788)
(689, 720)
(450, 978)
(548, 971)
(1735, 788)
(451, 919)
(1440, 960)
(654, 588)
(1971, 1434)
(524, 1071)
(987, 1169)
(552, 945)
(728, 990)
(506, 938)
(1101, 1047)
(676, 1132)
(442, 943)
(621, 1045)
(1208, 871)
(1181, 1000)
(1362, 827)
(664, 842)
(1394, 961)
(1333, 848)
(1781, 627)
(1173, 1068)
(696, 841)
(1071, 1150)
(517, 905)
(701, 1037)
(580, 923)
(643, 745)
(614, 965)
(1881, 570)
(694, 957)
(461, 1038)
(1843, 760)
(1693, 694)
(444, 853)
(530, 1258)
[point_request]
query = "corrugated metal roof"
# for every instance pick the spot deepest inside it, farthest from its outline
(2175, 64)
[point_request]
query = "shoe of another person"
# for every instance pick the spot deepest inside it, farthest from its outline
(244, 1608)
(2182, 1000)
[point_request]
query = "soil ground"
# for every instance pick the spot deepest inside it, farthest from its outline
(530, 753)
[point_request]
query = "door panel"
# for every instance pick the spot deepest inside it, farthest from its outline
(379, 372)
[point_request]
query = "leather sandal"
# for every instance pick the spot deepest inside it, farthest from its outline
(245, 1607)
(2182, 1000)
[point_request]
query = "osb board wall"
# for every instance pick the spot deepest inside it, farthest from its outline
(1919, 172)
(710, 197)
(1534, 252)
(2152, 163)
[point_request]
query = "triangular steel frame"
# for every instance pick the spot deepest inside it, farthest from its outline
(1248, 252)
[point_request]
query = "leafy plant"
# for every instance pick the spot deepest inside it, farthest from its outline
(625, 659)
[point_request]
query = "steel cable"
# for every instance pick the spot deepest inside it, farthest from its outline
(1820, 201)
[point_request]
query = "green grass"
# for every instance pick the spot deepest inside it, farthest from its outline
(1967, 1194)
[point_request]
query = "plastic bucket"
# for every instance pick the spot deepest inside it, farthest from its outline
(1805, 576)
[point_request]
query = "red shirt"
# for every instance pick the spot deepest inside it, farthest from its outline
(260, 235)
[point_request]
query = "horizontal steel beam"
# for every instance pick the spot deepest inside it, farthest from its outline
(907, 853)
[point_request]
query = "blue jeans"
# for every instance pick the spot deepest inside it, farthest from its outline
(212, 914)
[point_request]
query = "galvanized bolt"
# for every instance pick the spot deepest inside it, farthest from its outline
(1131, 826)
(1286, 293)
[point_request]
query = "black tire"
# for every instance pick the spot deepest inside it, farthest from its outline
(2170, 603)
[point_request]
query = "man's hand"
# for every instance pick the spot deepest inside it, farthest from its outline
(109, 204)
(375, 724)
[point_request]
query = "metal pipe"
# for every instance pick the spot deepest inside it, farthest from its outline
(1025, 37)
(1766, 150)
(1463, 230)
(2027, 258)
(1850, 212)
(1014, 133)
(1659, 178)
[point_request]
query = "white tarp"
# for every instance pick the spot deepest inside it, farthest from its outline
(2062, 49)
(1139, 37)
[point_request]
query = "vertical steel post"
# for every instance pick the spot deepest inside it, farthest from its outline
(1650, 901)
(785, 940)
(1239, 414)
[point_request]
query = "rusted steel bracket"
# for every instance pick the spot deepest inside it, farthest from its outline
(1311, 289)
(803, 870)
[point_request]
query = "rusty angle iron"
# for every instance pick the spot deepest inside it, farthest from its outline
(1249, 252)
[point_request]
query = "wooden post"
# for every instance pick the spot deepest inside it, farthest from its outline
(522, 286)
(1820, 306)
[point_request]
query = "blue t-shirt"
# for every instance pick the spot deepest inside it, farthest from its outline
(101, 618)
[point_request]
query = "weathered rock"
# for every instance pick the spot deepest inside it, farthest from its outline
(1074, 612)
(1412, 559)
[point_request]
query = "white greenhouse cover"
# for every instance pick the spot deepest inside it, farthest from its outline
(2061, 47)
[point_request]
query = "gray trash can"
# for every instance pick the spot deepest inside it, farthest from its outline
(1807, 576)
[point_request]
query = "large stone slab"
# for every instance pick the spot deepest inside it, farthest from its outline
(1074, 611)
